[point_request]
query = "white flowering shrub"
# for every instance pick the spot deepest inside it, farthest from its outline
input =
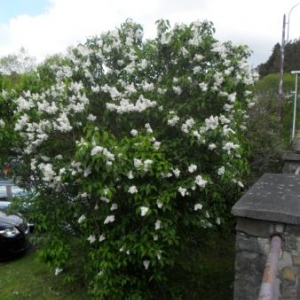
(135, 144)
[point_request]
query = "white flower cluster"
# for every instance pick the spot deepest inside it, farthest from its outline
(49, 174)
(148, 87)
(139, 164)
(221, 171)
(109, 219)
(200, 181)
(126, 106)
(144, 210)
(211, 123)
(91, 238)
(177, 90)
(157, 224)
(110, 157)
(229, 146)
(198, 206)
(58, 271)
(62, 123)
(203, 86)
(187, 125)
(192, 168)
(81, 219)
(182, 191)
(132, 189)
(91, 118)
(24, 104)
(50, 108)
(173, 120)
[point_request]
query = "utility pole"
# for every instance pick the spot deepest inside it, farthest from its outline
(280, 88)
(296, 73)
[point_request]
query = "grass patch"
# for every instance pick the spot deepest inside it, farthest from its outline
(26, 278)
(205, 271)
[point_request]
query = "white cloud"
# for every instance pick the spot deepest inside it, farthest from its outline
(257, 23)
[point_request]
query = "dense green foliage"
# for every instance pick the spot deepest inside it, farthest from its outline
(131, 147)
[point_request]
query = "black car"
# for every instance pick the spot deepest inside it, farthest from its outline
(14, 229)
(14, 232)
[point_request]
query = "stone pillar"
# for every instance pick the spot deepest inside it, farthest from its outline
(291, 162)
(271, 206)
(291, 159)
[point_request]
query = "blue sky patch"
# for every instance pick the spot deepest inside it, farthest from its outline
(12, 8)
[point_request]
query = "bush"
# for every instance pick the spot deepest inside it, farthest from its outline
(267, 138)
(135, 145)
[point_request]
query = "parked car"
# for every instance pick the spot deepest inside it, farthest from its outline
(14, 232)
(14, 229)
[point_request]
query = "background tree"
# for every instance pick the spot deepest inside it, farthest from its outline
(272, 64)
(291, 59)
(18, 63)
(19, 75)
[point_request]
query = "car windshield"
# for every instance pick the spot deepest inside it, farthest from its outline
(8, 190)
(16, 191)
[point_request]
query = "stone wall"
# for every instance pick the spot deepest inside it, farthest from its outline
(252, 249)
(289, 268)
(249, 266)
(270, 207)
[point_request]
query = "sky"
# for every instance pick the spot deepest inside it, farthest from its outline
(47, 27)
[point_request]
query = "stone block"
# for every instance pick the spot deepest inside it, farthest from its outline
(289, 294)
(285, 260)
(279, 228)
(296, 260)
(289, 274)
(290, 242)
(292, 230)
(255, 227)
(267, 200)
